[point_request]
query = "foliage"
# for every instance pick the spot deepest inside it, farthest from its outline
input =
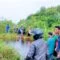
(3, 26)
(8, 37)
(45, 18)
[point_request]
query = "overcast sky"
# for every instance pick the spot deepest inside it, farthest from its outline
(20, 9)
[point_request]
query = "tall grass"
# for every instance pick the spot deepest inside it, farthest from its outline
(7, 53)
(8, 36)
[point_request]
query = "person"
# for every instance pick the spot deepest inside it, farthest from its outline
(7, 28)
(55, 37)
(58, 46)
(19, 32)
(38, 48)
(50, 45)
(21, 36)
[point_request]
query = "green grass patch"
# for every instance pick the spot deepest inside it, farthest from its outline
(7, 53)
(8, 37)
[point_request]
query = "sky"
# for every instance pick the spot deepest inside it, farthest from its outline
(16, 10)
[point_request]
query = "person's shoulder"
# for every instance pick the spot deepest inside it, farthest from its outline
(49, 39)
(34, 42)
(55, 36)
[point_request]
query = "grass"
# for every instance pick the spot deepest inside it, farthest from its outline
(14, 37)
(8, 36)
(7, 53)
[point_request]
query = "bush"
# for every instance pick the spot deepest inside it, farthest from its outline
(8, 37)
(7, 53)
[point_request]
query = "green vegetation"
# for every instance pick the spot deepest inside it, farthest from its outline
(3, 26)
(8, 37)
(46, 19)
(7, 53)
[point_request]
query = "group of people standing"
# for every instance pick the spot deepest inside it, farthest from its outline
(45, 50)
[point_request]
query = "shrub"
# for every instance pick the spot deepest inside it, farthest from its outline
(7, 53)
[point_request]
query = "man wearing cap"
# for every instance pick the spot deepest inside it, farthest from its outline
(38, 48)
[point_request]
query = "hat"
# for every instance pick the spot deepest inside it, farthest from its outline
(36, 31)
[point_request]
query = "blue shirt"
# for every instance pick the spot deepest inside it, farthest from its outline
(7, 28)
(58, 48)
(51, 45)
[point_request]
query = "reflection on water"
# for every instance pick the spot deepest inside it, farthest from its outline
(22, 48)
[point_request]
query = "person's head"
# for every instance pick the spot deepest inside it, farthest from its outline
(37, 33)
(57, 29)
(38, 36)
(50, 34)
